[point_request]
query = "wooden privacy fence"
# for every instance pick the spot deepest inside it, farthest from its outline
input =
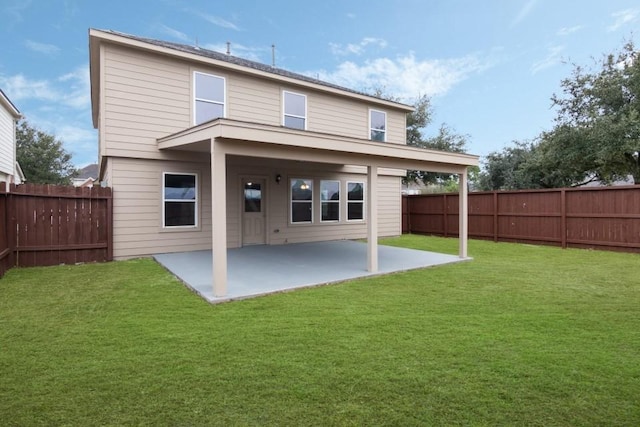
(49, 225)
(591, 217)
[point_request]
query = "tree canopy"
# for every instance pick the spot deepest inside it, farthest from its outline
(596, 134)
(42, 156)
(447, 139)
(598, 122)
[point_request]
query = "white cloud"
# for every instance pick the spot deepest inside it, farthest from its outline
(406, 76)
(565, 31)
(524, 11)
(60, 106)
(553, 57)
(19, 88)
(16, 8)
(71, 89)
(356, 48)
(171, 32)
(215, 20)
(47, 49)
(623, 17)
(77, 92)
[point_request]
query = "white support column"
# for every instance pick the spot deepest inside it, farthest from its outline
(463, 214)
(372, 218)
(219, 219)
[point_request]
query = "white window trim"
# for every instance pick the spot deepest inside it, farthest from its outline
(371, 129)
(291, 202)
(331, 201)
(224, 94)
(364, 200)
(195, 209)
(284, 109)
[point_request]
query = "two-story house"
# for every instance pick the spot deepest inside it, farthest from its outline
(205, 150)
(10, 171)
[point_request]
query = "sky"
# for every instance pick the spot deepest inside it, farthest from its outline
(490, 67)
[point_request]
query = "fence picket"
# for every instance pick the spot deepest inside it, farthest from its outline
(588, 217)
(48, 225)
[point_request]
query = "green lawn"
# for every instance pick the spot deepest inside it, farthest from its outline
(525, 335)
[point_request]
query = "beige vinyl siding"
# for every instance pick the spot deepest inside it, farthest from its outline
(137, 205)
(146, 96)
(7, 142)
(253, 100)
(278, 226)
(389, 206)
(338, 116)
(137, 208)
(396, 127)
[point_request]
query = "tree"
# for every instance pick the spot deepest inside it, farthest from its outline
(42, 157)
(419, 119)
(446, 140)
(504, 170)
(526, 165)
(597, 131)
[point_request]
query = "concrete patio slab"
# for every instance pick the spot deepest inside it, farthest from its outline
(260, 270)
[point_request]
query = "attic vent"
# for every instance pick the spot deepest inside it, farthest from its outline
(228, 48)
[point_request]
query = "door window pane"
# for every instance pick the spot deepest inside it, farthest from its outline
(252, 197)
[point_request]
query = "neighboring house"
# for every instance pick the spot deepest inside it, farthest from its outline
(10, 170)
(87, 176)
(209, 151)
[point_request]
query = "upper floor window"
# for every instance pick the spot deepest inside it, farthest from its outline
(208, 97)
(378, 125)
(295, 110)
(179, 199)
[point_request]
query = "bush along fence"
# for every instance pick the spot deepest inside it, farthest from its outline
(591, 217)
(48, 225)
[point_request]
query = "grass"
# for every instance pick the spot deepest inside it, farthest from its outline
(526, 335)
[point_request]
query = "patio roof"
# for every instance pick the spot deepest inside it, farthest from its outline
(261, 270)
(222, 137)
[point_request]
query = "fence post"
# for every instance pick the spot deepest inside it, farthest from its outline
(445, 218)
(109, 225)
(563, 218)
(12, 224)
(495, 216)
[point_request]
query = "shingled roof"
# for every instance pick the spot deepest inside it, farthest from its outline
(196, 50)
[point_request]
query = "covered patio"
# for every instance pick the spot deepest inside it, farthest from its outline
(260, 270)
(221, 138)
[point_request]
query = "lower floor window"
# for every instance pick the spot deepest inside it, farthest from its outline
(301, 200)
(179, 199)
(355, 201)
(330, 200)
